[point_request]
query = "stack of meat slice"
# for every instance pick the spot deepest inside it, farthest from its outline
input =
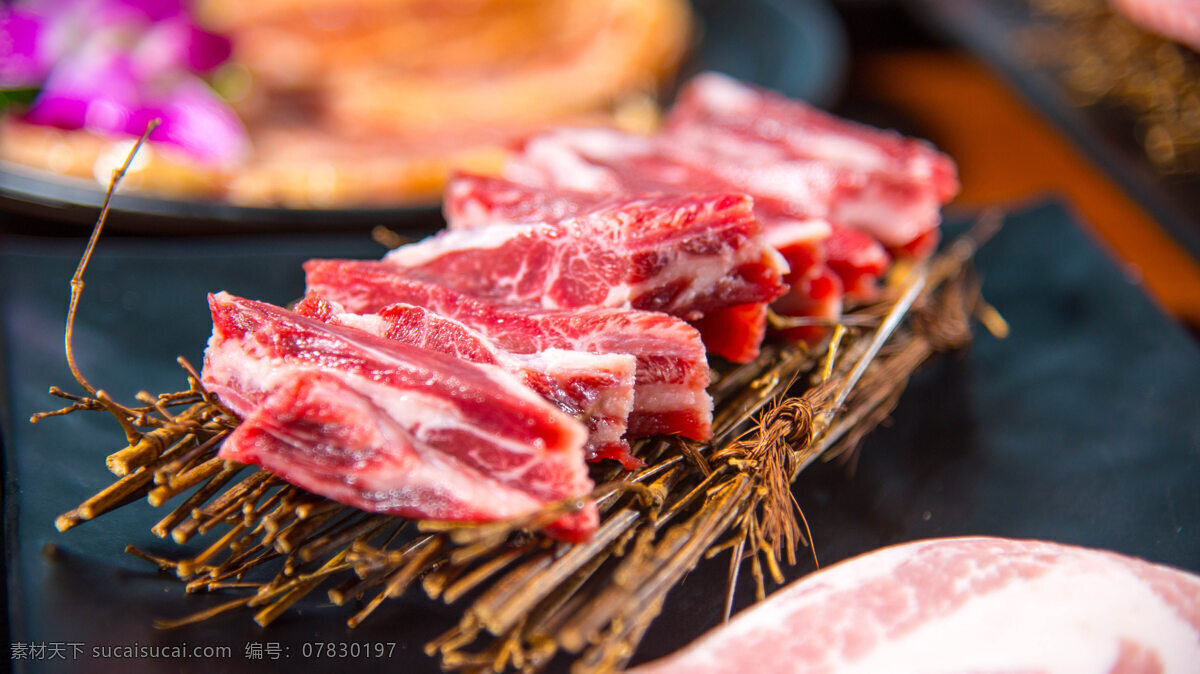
(388, 426)
(839, 200)
(597, 388)
(687, 255)
(577, 309)
(568, 308)
(711, 241)
(603, 275)
(671, 371)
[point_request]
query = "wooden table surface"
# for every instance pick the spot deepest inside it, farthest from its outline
(1008, 153)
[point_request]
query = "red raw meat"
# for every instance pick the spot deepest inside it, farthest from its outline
(813, 177)
(322, 435)
(672, 372)
(385, 426)
(607, 161)
(735, 333)
(965, 605)
(597, 388)
(472, 201)
(685, 255)
(682, 255)
(877, 181)
(858, 260)
(803, 164)
(791, 196)
(603, 160)
(816, 292)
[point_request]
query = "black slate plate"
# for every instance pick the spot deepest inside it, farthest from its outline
(796, 47)
(1082, 427)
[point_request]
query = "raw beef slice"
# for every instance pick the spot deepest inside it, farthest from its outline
(669, 396)
(388, 427)
(595, 388)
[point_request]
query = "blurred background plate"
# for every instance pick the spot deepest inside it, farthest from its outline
(797, 47)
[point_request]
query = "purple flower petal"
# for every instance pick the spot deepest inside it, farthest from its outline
(178, 44)
(152, 10)
(99, 93)
(197, 120)
(206, 50)
(121, 63)
(23, 62)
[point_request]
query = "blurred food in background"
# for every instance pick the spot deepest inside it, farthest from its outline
(322, 103)
(1137, 55)
(83, 72)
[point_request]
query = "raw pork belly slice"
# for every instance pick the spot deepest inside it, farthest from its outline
(669, 396)
(472, 201)
(685, 255)
(323, 435)
(733, 332)
(837, 199)
(871, 188)
(456, 418)
(597, 388)
(876, 181)
(965, 605)
(606, 161)
(679, 254)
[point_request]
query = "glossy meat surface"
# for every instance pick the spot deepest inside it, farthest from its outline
(450, 414)
(688, 255)
(835, 198)
(595, 388)
(671, 369)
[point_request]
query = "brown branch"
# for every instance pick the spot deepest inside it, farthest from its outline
(77, 278)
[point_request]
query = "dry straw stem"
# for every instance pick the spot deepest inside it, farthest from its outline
(525, 597)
